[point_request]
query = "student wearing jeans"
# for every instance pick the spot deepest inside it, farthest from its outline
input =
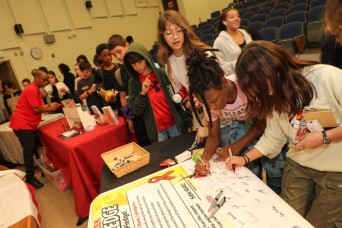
(118, 46)
(150, 95)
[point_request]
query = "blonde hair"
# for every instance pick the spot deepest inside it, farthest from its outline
(333, 19)
(191, 40)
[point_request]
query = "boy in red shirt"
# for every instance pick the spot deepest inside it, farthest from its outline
(150, 95)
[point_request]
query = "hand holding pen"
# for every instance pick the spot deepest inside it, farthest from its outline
(231, 158)
(202, 167)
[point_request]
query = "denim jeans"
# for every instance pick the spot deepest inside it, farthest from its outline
(273, 167)
(232, 133)
(171, 132)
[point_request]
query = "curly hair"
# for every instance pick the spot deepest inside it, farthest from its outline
(204, 73)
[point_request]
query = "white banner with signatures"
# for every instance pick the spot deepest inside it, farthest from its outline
(167, 199)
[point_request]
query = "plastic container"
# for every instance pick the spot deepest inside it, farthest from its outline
(54, 176)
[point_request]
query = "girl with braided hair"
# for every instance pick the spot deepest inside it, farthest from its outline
(222, 96)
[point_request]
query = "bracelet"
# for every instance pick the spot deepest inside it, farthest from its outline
(246, 158)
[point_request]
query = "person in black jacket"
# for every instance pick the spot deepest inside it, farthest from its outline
(69, 78)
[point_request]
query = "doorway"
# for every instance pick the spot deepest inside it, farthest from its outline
(7, 74)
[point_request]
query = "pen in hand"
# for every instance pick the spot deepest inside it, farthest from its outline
(201, 160)
(231, 158)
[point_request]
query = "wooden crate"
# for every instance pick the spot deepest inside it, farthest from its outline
(142, 158)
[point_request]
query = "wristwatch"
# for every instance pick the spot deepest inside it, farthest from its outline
(326, 139)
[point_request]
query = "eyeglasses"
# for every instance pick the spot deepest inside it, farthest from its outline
(169, 33)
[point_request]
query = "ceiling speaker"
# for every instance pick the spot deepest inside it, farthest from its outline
(49, 39)
(18, 29)
(88, 4)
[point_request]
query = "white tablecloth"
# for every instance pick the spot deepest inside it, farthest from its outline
(9, 143)
(15, 200)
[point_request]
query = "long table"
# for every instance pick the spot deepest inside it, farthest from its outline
(79, 157)
(155, 197)
(158, 153)
(9, 143)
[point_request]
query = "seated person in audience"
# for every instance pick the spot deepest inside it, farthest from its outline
(25, 82)
(118, 46)
(57, 91)
(149, 95)
(10, 97)
(231, 39)
(25, 119)
(222, 96)
(279, 87)
(105, 76)
(332, 36)
(87, 89)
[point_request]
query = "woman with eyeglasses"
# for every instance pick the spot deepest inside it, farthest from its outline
(176, 39)
(25, 119)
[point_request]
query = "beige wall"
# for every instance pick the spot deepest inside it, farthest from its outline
(142, 26)
(200, 10)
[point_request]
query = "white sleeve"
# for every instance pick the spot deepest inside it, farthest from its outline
(227, 66)
(274, 137)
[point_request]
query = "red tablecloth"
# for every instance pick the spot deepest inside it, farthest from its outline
(79, 157)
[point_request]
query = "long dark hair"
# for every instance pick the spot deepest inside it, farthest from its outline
(191, 40)
(264, 67)
(204, 73)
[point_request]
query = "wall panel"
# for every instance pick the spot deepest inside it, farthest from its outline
(55, 15)
(28, 15)
(79, 14)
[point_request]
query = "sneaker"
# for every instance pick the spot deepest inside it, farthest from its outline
(34, 182)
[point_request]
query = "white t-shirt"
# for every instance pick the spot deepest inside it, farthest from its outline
(59, 85)
(179, 76)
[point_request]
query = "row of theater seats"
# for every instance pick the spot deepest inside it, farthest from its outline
(286, 20)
